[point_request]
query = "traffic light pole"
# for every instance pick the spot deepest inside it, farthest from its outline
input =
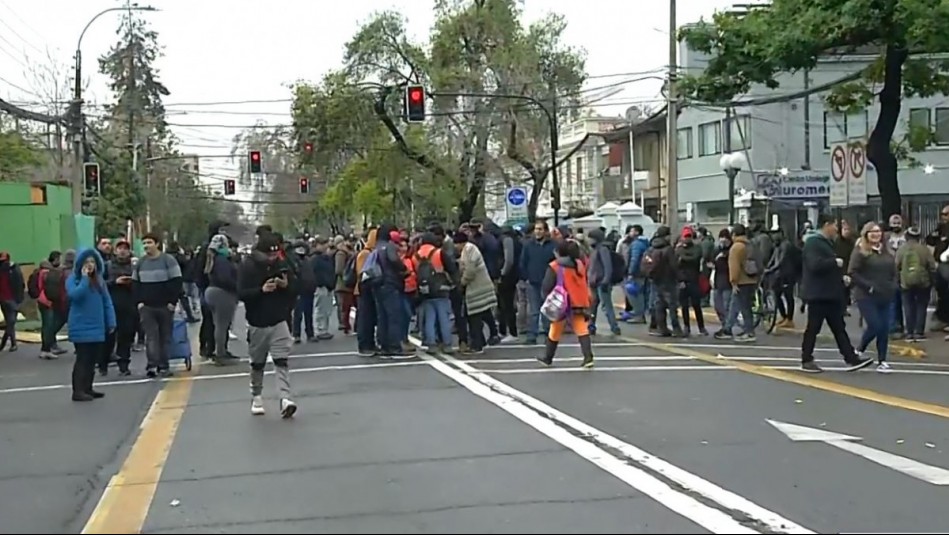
(554, 141)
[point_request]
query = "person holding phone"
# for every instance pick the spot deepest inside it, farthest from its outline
(119, 280)
(91, 320)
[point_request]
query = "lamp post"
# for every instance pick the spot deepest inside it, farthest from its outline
(77, 101)
(732, 163)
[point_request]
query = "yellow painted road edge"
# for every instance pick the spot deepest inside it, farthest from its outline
(801, 379)
(127, 498)
(903, 350)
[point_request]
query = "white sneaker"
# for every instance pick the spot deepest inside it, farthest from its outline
(257, 406)
(287, 408)
(510, 339)
(884, 368)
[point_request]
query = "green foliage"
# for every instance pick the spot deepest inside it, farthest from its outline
(158, 182)
(17, 156)
(790, 35)
(479, 47)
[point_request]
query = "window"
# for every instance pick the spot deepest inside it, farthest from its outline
(739, 133)
(684, 143)
(942, 126)
(710, 138)
(643, 157)
(921, 118)
(838, 128)
(580, 174)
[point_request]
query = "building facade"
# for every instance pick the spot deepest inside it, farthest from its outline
(787, 146)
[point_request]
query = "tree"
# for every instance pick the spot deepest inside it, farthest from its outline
(790, 35)
(280, 180)
(476, 47)
(18, 157)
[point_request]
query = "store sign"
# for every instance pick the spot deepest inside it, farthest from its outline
(796, 185)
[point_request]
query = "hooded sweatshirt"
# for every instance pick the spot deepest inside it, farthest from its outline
(600, 269)
(665, 273)
(264, 309)
(91, 312)
(121, 294)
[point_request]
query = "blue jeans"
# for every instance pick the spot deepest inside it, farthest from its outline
(436, 317)
(534, 300)
(721, 299)
(407, 313)
(603, 296)
(389, 317)
(740, 303)
(896, 312)
(303, 313)
(876, 316)
(366, 320)
(639, 300)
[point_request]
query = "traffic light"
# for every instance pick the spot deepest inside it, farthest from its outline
(255, 162)
(308, 147)
(90, 178)
(415, 104)
(304, 186)
(230, 187)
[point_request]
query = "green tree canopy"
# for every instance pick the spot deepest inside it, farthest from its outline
(483, 66)
(790, 35)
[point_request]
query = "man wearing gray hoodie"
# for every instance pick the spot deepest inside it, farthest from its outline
(600, 277)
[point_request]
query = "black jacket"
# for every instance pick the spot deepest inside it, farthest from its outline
(689, 262)
(264, 309)
(665, 274)
(122, 297)
(823, 279)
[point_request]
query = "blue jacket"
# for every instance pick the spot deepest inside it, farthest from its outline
(535, 259)
(91, 314)
(636, 251)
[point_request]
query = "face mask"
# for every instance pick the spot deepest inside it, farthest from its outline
(896, 228)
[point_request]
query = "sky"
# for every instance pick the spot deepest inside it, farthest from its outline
(228, 63)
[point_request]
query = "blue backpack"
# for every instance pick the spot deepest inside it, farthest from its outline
(371, 272)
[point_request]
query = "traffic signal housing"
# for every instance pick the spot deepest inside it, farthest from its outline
(230, 187)
(90, 178)
(415, 104)
(304, 185)
(256, 165)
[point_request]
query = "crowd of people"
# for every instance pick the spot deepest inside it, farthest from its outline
(481, 283)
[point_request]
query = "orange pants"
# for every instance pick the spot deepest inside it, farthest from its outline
(577, 321)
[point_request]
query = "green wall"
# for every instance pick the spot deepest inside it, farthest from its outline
(31, 230)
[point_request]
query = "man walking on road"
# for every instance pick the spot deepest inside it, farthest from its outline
(157, 286)
(823, 288)
(266, 289)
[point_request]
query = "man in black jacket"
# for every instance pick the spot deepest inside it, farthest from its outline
(824, 288)
(267, 291)
(939, 241)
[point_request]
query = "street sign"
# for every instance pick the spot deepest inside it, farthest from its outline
(857, 179)
(915, 469)
(839, 173)
(516, 204)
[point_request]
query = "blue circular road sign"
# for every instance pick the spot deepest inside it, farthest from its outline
(516, 196)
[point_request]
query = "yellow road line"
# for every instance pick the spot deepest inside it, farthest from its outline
(803, 380)
(128, 497)
(902, 350)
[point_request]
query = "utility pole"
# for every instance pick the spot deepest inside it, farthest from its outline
(148, 184)
(672, 127)
(730, 173)
(554, 147)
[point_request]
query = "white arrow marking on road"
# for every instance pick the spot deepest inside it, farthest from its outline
(930, 474)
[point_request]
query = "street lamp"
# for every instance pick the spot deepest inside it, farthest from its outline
(732, 163)
(77, 100)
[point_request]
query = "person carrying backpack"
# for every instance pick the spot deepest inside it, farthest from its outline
(434, 271)
(52, 303)
(916, 266)
(600, 275)
(658, 265)
(11, 297)
(567, 276)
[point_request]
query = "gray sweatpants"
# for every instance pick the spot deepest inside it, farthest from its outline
(323, 304)
(223, 305)
(277, 342)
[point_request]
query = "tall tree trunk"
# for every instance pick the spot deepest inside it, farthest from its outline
(878, 146)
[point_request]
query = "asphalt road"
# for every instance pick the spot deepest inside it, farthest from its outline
(690, 437)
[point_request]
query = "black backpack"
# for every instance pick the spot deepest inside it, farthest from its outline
(432, 282)
(619, 267)
(33, 284)
(652, 263)
(53, 284)
(349, 273)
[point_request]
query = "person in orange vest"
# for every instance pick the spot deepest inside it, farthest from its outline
(570, 271)
(434, 271)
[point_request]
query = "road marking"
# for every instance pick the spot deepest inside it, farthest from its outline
(551, 422)
(128, 496)
(233, 375)
(704, 367)
(906, 367)
(924, 472)
(812, 382)
(571, 359)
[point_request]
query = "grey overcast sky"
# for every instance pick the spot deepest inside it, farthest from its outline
(240, 50)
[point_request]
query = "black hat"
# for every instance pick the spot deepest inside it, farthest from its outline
(268, 243)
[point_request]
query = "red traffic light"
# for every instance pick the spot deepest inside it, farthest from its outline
(308, 147)
(255, 156)
(415, 95)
